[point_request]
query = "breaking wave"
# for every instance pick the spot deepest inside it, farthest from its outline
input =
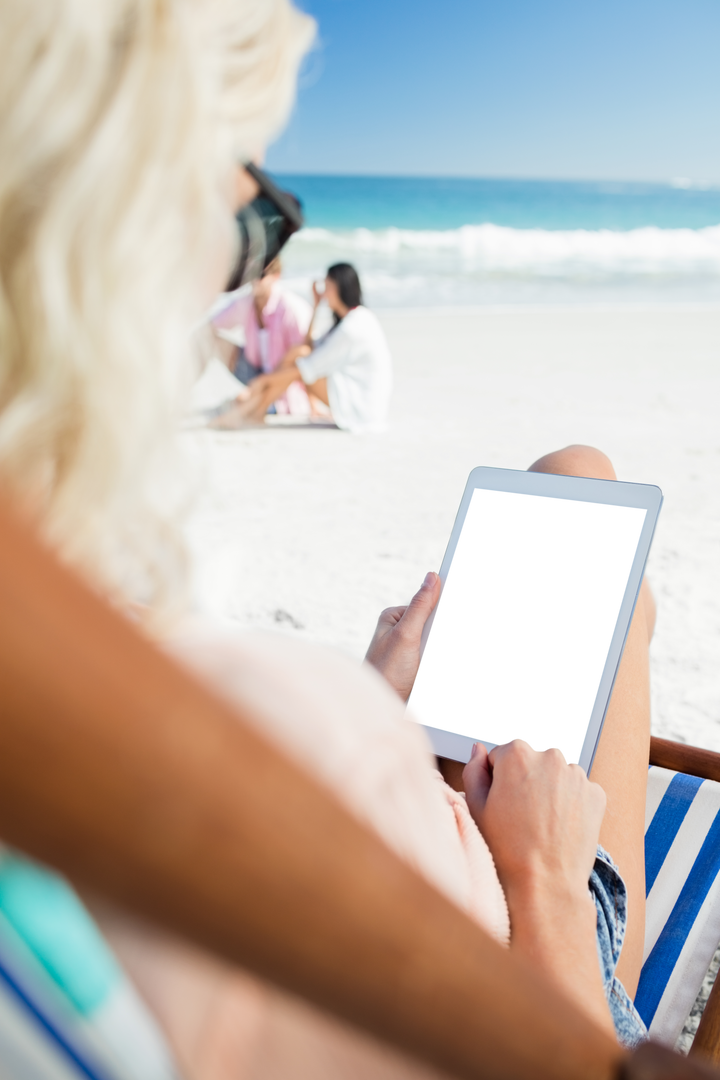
(497, 248)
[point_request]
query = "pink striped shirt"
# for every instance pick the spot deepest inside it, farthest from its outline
(286, 318)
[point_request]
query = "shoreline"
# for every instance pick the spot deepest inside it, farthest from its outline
(588, 307)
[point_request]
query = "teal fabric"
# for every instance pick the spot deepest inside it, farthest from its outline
(47, 915)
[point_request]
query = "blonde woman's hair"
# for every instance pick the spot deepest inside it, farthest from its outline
(120, 121)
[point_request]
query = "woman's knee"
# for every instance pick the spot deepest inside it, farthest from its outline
(579, 460)
(576, 460)
(647, 599)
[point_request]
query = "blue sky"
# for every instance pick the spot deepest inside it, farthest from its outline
(595, 89)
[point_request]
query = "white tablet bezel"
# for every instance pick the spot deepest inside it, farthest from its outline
(614, 492)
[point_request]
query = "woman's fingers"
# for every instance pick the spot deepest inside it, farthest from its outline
(410, 618)
(395, 648)
(389, 618)
(540, 816)
(477, 780)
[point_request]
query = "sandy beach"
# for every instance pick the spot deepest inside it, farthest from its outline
(313, 532)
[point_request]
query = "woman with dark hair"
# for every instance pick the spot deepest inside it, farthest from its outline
(349, 369)
(345, 277)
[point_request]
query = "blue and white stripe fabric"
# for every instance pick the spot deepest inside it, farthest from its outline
(682, 869)
(67, 1010)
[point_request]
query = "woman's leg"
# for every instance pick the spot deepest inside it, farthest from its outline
(621, 761)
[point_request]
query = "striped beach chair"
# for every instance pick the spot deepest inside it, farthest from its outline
(67, 1011)
(682, 868)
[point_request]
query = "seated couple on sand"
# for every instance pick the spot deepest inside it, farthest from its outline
(346, 374)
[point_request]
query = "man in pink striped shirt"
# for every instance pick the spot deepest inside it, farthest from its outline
(274, 320)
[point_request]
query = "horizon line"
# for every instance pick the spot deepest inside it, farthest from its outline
(679, 183)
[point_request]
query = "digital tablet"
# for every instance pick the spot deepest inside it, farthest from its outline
(539, 584)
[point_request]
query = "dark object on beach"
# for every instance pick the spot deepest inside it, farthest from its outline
(265, 226)
(281, 616)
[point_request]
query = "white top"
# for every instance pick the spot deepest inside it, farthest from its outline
(355, 359)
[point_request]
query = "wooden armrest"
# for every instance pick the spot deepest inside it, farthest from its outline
(683, 758)
(706, 1044)
(451, 772)
(654, 1062)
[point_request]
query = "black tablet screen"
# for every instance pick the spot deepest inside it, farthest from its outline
(526, 617)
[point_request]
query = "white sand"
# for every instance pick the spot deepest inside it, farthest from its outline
(314, 531)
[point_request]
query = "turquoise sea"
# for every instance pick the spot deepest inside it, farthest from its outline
(447, 242)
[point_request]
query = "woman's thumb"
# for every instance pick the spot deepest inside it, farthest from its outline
(477, 779)
(422, 604)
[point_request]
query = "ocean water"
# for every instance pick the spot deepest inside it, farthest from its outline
(446, 242)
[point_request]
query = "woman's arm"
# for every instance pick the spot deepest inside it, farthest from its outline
(541, 819)
(294, 353)
(317, 297)
(266, 389)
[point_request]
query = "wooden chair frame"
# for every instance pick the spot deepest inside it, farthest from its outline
(124, 773)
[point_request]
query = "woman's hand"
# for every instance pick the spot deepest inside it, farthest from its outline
(317, 295)
(295, 352)
(541, 819)
(395, 648)
(266, 389)
(540, 816)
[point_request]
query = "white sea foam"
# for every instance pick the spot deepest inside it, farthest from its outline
(496, 248)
